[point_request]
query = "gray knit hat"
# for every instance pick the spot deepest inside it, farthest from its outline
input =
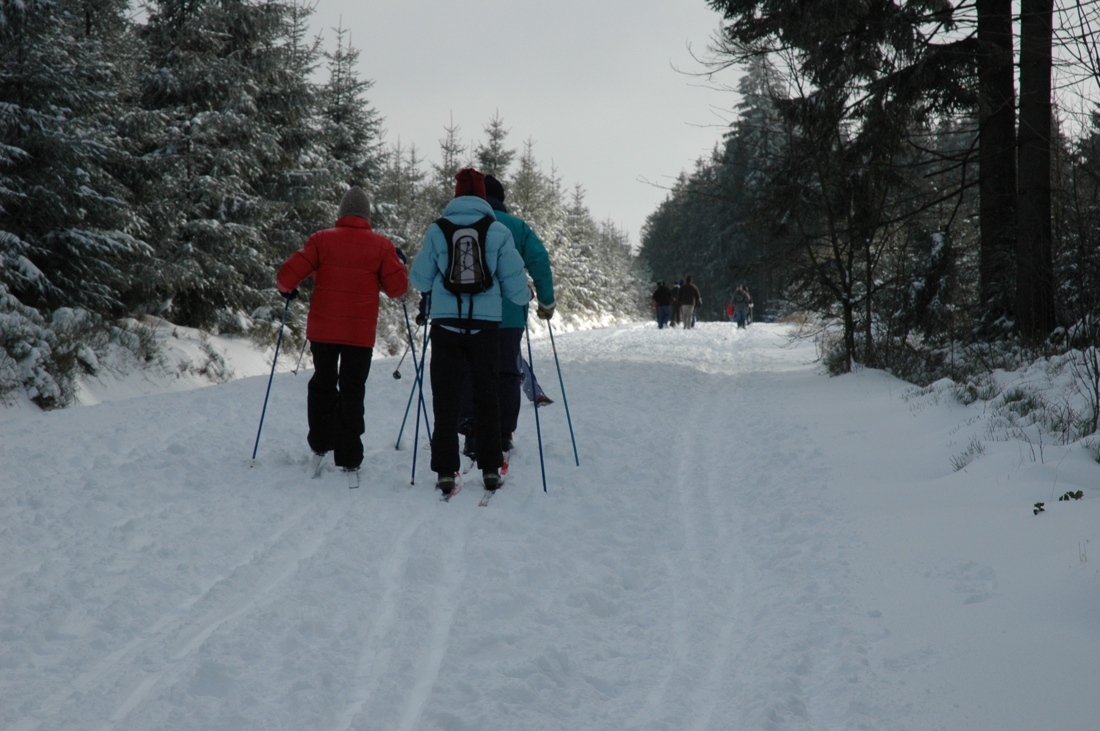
(355, 203)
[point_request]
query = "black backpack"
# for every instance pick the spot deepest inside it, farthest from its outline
(467, 269)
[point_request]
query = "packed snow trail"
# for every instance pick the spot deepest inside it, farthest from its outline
(747, 544)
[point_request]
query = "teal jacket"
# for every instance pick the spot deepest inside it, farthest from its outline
(537, 263)
(509, 281)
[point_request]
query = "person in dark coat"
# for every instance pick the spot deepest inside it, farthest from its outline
(351, 265)
(741, 304)
(675, 303)
(662, 298)
(689, 300)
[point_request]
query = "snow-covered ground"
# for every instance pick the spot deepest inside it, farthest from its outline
(747, 544)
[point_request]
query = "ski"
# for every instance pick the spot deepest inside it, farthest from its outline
(488, 495)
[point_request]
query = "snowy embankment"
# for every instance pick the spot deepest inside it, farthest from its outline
(747, 544)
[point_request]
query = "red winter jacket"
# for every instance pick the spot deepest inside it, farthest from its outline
(350, 264)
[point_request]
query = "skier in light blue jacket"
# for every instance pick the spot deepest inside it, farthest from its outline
(464, 327)
(513, 370)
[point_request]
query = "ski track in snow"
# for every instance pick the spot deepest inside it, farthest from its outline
(698, 571)
(376, 655)
(170, 624)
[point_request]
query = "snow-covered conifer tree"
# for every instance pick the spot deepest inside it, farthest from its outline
(301, 176)
(68, 236)
(453, 156)
(536, 197)
(493, 156)
(353, 129)
(217, 76)
(402, 210)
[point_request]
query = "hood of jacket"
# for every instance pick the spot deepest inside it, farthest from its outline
(467, 209)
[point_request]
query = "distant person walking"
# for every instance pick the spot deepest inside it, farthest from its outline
(689, 300)
(741, 304)
(662, 298)
(675, 303)
(351, 265)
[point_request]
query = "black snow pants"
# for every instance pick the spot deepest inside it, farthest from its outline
(509, 380)
(452, 353)
(335, 403)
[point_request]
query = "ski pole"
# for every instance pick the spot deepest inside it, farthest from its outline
(300, 354)
(420, 383)
(538, 424)
(274, 360)
(397, 370)
(419, 367)
(563, 396)
(420, 377)
(419, 370)
(412, 391)
(408, 405)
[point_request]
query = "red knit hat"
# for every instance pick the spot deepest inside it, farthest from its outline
(470, 182)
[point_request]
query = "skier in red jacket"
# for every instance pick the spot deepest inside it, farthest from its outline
(351, 265)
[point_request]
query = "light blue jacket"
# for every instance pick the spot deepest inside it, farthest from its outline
(509, 279)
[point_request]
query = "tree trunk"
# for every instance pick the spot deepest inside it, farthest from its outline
(1034, 256)
(997, 158)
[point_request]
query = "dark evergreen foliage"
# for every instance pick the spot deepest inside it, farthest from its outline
(68, 236)
(887, 194)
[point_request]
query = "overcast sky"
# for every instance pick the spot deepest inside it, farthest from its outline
(594, 83)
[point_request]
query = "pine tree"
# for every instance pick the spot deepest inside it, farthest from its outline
(67, 233)
(572, 255)
(402, 212)
(452, 158)
(300, 177)
(218, 70)
(493, 157)
(353, 129)
(401, 203)
(537, 197)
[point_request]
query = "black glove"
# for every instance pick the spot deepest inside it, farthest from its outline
(401, 255)
(422, 310)
(545, 312)
(290, 295)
